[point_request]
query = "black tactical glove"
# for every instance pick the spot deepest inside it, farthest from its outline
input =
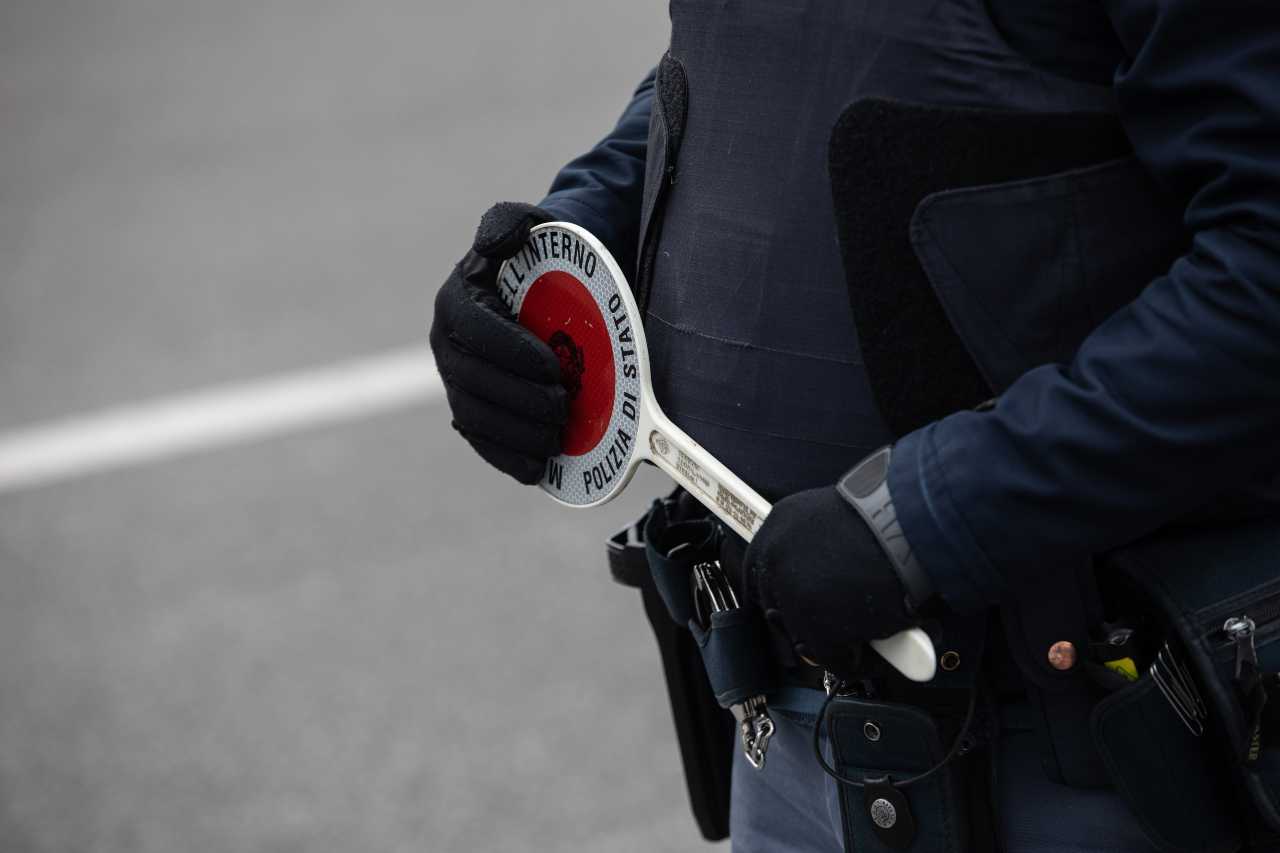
(503, 384)
(823, 580)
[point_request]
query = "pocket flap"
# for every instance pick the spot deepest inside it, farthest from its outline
(1026, 270)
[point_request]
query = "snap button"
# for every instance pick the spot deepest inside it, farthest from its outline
(1062, 655)
(883, 814)
(950, 661)
(871, 731)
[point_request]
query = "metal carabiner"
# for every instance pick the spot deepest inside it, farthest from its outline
(756, 728)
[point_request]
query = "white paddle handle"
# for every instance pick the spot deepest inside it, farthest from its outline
(701, 474)
(742, 508)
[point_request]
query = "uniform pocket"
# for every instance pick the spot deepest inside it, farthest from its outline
(1218, 589)
(1025, 270)
(1166, 774)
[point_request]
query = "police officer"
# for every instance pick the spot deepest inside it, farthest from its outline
(1009, 271)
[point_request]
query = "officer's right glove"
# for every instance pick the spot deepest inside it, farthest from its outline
(823, 580)
(502, 382)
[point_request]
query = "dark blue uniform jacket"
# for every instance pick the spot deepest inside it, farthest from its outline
(1173, 402)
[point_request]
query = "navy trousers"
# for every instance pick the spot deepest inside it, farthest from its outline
(792, 805)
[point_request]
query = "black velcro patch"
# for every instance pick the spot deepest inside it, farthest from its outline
(885, 158)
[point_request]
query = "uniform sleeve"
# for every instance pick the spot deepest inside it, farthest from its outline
(1175, 400)
(601, 190)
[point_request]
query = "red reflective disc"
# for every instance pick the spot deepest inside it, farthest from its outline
(559, 309)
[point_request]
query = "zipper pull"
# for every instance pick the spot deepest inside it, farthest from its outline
(1240, 629)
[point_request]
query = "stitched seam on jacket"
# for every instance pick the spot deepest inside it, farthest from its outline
(746, 345)
(684, 416)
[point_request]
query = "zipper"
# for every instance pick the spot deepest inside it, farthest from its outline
(1268, 610)
(1262, 611)
(1240, 631)
(1255, 687)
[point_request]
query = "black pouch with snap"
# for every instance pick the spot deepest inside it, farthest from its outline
(885, 742)
(1215, 591)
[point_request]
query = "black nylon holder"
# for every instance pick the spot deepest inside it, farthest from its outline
(734, 644)
(704, 730)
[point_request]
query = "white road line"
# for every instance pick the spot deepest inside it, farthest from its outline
(216, 417)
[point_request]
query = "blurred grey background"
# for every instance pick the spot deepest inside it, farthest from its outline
(353, 637)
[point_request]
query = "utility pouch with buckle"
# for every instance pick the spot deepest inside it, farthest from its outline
(1197, 734)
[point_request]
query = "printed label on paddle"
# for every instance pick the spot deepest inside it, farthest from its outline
(560, 287)
(702, 485)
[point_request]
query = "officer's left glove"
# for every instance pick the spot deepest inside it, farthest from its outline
(503, 383)
(822, 579)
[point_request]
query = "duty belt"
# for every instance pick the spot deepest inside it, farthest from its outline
(690, 564)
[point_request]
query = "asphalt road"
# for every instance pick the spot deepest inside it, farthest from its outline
(349, 638)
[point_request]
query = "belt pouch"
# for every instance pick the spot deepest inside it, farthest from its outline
(704, 730)
(735, 653)
(1164, 772)
(733, 643)
(1199, 578)
(673, 545)
(872, 740)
